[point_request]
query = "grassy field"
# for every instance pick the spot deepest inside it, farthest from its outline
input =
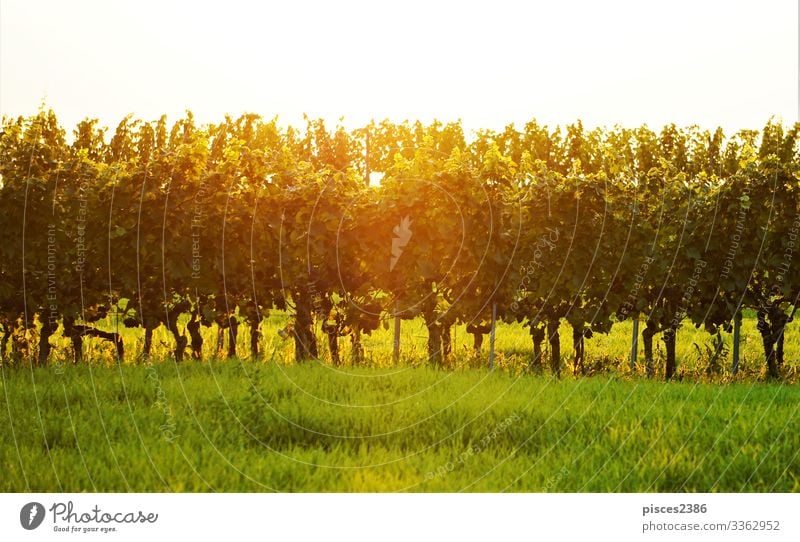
(241, 426)
(245, 425)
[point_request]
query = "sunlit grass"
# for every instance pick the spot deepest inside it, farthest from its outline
(238, 426)
(272, 424)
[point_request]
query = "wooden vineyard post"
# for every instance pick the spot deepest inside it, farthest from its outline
(737, 331)
(491, 336)
(634, 343)
(396, 333)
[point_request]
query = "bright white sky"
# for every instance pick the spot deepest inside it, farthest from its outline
(728, 63)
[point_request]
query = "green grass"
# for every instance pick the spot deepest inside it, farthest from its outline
(243, 426)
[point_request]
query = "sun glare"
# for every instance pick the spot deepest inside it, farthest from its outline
(709, 63)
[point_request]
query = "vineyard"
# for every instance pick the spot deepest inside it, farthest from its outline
(193, 236)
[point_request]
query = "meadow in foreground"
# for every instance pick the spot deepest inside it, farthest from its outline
(242, 426)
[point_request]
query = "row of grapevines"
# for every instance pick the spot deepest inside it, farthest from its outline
(184, 225)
